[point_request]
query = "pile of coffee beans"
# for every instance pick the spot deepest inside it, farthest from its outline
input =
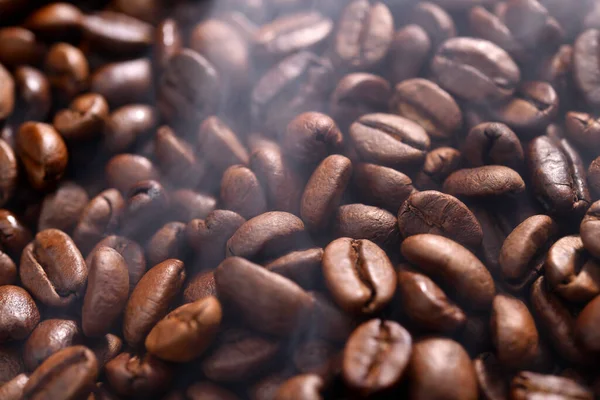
(299, 199)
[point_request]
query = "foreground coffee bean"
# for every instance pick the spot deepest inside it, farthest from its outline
(20, 315)
(358, 221)
(529, 384)
(49, 337)
(382, 186)
(493, 144)
(486, 181)
(13, 389)
(130, 374)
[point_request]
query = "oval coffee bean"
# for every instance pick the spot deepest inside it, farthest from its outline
(376, 356)
(454, 267)
(178, 159)
(117, 33)
(62, 208)
(409, 51)
(435, 20)
(186, 332)
(124, 82)
(8, 172)
(359, 275)
(49, 337)
(84, 119)
(14, 234)
(18, 46)
(583, 129)
(107, 292)
(168, 242)
(151, 299)
(128, 124)
(8, 270)
(220, 145)
(200, 286)
(439, 214)
(19, 313)
(56, 20)
(486, 181)
(439, 164)
(143, 376)
(34, 95)
(267, 301)
(53, 269)
(589, 228)
(67, 70)
(125, 170)
(358, 221)
(528, 385)
(7, 93)
(99, 217)
(310, 137)
(242, 192)
(381, 186)
(585, 66)
(301, 387)
(585, 331)
(302, 267)
(106, 348)
(493, 143)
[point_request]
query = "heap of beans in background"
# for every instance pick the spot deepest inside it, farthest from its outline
(294, 199)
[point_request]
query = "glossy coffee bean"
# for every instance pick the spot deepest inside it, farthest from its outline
(585, 333)
(84, 119)
(116, 33)
(128, 124)
(14, 234)
(439, 164)
(99, 218)
(123, 82)
(20, 314)
(33, 94)
(62, 208)
(359, 275)
(594, 177)
(144, 376)
(123, 171)
(493, 144)
(19, 47)
(526, 385)
(56, 20)
(7, 93)
(53, 269)
(168, 242)
(242, 192)
(381, 186)
(486, 181)
(13, 389)
(49, 337)
(68, 70)
(301, 387)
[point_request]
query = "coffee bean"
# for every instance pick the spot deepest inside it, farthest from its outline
(241, 192)
(177, 159)
(594, 177)
(186, 332)
(279, 307)
(455, 268)
(529, 384)
(67, 374)
(301, 387)
(84, 119)
(62, 208)
(426, 304)
(389, 140)
(145, 201)
(8, 172)
(435, 21)
(14, 235)
(123, 82)
(571, 271)
(53, 269)
(19, 47)
(68, 70)
(105, 348)
(146, 10)
(56, 20)
(359, 275)
(584, 327)
(475, 70)
(583, 129)
(486, 181)
(444, 362)
(128, 124)
(381, 186)
(13, 389)
(7, 94)
(168, 242)
(8, 270)
(117, 33)
(409, 52)
(439, 164)
(557, 70)
(187, 205)
(220, 145)
(531, 24)
(493, 144)
(49, 337)
(585, 73)
(20, 315)
(144, 376)
(439, 214)
(99, 217)
(209, 391)
(168, 41)
(33, 94)
(199, 287)
(317, 357)
(493, 384)
(358, 221)
(150, 300)
(43, 154)
(364, 34)
(302, 267)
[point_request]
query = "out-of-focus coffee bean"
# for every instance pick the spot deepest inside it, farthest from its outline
(68, 70)
(487, 181)
(62, 208)
(585, 331)
(493, 143)
(329, 321)
(220, 145)
(242, 192)
(123, 82)
(7, 93)
(56, 20)
(18, 46)
(128, 124)
(144, 376)
(303, 267)
(146, 10)
(557, 70)
(20, 315)
(177, 159)
(105, 348)
(594, 177)
(33, 94)
(439, 164)
(98, 218)
(168, 41)
(8, 270)
(8, 172)
(316, 356)
(409, 51)
(117, 33)
(381, 186)
(168, 242)
(209, 391)
(527, 385)
(585, 66)
(49, 337)
(301, 387)
(84, 119)
(583, 129)
(359, 221)
(200, 286)
(125, 170)
(435, 21)
(13, 389)
(493, 384)
(14, 235)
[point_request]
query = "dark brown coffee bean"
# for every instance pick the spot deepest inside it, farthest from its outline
(302, 267)
(455, 268)
(150, 300)
(301, 387)
(123, 171)
(177, 159)
(62, 208)
(168, 242)
(267, 387)
(100, 217)
(439, 164)
(381, 186)
(49, 337)
(200, 286)
(146, 205)
(208, 391)
(105, 348)
(127, 124)
(435, 20)
(18, 46)
(117, 33)
(242, 192)
(583, 129)
(594, 177)
(8, 270)
(585, 72)
(571, 271)
(84, 119)
(527, 385)
(558, 176)
(445, 362)
(588, 229)
(68, 70)
(8, 172)
(439, 214)
(43, 154)
(584, 329)
(220, 145)
(239, 355)
(268, 234)
(7, 93)
(146, 10)
(426, 304)
(107, 292)
(142, 376)
(187, 88)
(428, 105)
(168, 40)
(490, 375)
(14, 235)
(67, 374)
(33, 94)
(186, 332)
(486, 181)
(359, 221)
(53, 269)
(123, 82)
(409, 51)
(310, 137)
(359, 275)
(493, 143)
(187, 205)
(13, 389)
(268, 302)
(19, 313)
(389, 140)
(56, 20)
(316, 356)
(491, 73)
(356, 94)
(329, 321)
(364, 34)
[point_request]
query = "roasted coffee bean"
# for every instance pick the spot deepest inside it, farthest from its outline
(168, 40)
(376, 356)
(317, 356)
(239, 355)
(146, 10)
(14, 235)
(426, 304)
(53, 269)
(359, 275)
(8, 270)
(62, 208)
(585, 70)
(49, 337)
(8, 172)
(19, 313)
(558, 176)
(105, 348)
(146, 200)
(594, 177)
(364, 34)
(187, 205)
(168, 242)
(177, 159)
(329, 321)
(208, 391)
(389, 140)
(43, 154)
(128, 124)
(381, 186)
(99, 217)
(220, 145)
(200, 286)
(527, 385)
(409, 52)
(355, 95)
(445, 362)
(13, 389)
(455, 268)
(301, 387)
(302, 267)
(439, 164)
(359, 221)
(584, 328)
(186, 332)
(435, 20)
(123, 171)
(123, 82)
(7, 93)
(557, 70)
(493, 384)
(475, 70)
(33, 94)
(493, 143)
(486, 181)
(68, 70)
(107, 292)
(117, 33)
(531, 24)
(279, 307)
(150, 300)
(589, 228)
(242, 192)
(84, 119)
(67, 374)
(324, 191)
(142, 376)
(428, 105)
(18, 46)
(187, 88)
(439, 214)
(583, 129)
(571, 271)
(56, 20)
